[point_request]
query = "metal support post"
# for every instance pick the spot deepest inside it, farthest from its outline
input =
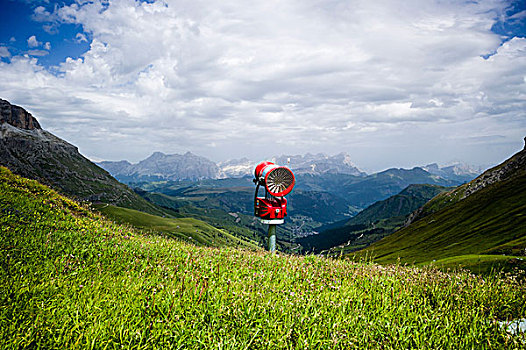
(272, 238)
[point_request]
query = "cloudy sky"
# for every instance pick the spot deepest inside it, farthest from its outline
(392, 83)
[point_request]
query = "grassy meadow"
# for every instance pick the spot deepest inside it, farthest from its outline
(186, 229)
(71, 278)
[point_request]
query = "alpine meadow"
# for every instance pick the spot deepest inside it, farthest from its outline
(73, 279)
(277, 174)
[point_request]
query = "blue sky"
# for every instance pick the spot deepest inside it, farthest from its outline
(390, 83)
(19, 22)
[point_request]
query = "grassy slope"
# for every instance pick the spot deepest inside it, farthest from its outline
(241, 225)
(71, 279)
(481, 264)
(491, 219)
(512, 167)
(192, 230)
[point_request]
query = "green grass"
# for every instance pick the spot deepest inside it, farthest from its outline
(189, 229)
(243, 226)
(70, 278)
(483, 264)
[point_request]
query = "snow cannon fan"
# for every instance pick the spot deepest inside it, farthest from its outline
(272, 209)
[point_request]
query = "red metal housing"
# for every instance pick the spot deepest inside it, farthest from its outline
(271, 208)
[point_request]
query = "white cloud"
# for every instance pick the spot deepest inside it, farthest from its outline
(47, 46)
(80, 38)
(38, 53)
(4, 52)
(40, 14)
(51, 19)
(387, 81)
(33, 42)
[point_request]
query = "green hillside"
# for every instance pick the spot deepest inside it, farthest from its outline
(72, 279)
(241, 225)
(490, 220)
(401, 204)
(189, 229)
(387, 183)
(371, 224)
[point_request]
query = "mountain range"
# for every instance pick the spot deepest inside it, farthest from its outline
(458, 171)
(188, 166)
(160, 166)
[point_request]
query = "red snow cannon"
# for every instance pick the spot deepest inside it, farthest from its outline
(278, 182)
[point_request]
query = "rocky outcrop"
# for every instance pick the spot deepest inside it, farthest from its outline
(498, 173)
(17, 116)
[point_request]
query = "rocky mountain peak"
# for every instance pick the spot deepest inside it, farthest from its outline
(320, 164)
(161, 166)
(17, 116)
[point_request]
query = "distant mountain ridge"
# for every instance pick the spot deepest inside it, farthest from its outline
(320, 163)
(160, 166)
(176, 167)
(28, 150)
(458, 171)
(188, 166)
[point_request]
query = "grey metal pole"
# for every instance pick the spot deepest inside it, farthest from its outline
(272, 238)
